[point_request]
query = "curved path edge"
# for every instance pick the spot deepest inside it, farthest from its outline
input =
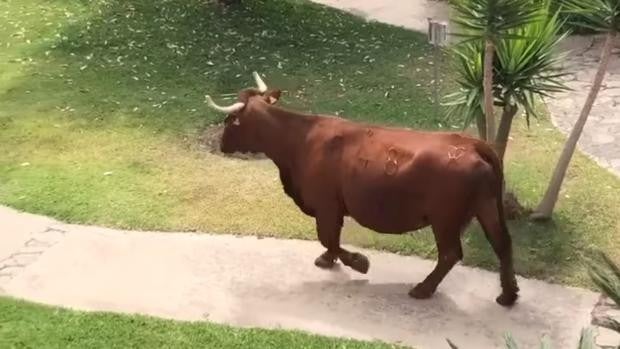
(270, 283)
(600, 139)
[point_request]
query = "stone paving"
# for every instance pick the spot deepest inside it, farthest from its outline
(601, 135)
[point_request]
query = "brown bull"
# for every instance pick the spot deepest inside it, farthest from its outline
(389, 180)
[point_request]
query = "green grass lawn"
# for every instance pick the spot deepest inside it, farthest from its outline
(29, 325)
(102, 109)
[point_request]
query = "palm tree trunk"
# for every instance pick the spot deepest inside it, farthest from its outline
(547, 204)
(488, 89)
(503, 131)
(512, 207)
(481, 124)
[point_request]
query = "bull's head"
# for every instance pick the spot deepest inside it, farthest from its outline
(243, 118)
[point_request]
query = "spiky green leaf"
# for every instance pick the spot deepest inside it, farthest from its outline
(597, 15)
(524, 70)
(606, 275)
(492, 19)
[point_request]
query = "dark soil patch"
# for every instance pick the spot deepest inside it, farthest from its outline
(513, 208)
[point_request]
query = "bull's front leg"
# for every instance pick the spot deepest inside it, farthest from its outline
(329, 227)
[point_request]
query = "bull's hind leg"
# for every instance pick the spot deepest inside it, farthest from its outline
(448, 238)
(494, 225)
(329, 227)
(326, 260)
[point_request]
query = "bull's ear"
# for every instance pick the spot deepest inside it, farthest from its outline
(273, 96)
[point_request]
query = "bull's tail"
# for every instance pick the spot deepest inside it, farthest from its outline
(486, 152)
(494, 224)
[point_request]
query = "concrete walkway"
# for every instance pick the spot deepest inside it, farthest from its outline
(272, 283)
(412, 14)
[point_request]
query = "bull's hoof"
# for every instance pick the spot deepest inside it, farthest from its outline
(325, 261)
(421, 291)
(357, 262)
(507, 299)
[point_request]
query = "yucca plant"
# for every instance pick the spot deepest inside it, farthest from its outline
(488, 22)
(601, 16)
(526, 66)
(606, 276)
(468, 101)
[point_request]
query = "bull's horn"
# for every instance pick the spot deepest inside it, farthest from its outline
(262, 87)
(228, 110)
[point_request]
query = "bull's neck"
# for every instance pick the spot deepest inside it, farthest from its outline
(284, 133)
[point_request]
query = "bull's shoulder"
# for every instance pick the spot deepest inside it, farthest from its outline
(328, 127)
(291, 188)
(330, 136)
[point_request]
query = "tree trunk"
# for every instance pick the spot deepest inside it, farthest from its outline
(481, 125)
(488, 89)
(503, 131)
(546, 206)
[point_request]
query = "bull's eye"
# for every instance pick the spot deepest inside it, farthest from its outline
(236, 122)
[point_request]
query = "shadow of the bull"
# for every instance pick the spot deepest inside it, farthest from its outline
(359, 308)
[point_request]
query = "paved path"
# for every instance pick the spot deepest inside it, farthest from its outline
(601, 137)
(272, 283)
(412, 14)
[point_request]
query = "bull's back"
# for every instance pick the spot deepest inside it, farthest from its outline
(395, 180)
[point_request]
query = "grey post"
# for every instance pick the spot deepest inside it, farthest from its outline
(437, 36)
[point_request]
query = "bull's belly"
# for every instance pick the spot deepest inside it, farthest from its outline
(388, 217)
(390, 228)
